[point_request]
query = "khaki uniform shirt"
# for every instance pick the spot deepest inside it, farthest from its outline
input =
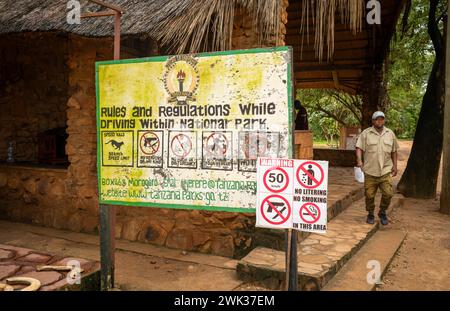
(377, 150)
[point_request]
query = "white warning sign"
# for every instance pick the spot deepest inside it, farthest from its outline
(292, 194)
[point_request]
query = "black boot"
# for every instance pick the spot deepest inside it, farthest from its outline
(370, 219)
(383, 218)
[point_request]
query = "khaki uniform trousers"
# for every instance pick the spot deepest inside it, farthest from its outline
(371, 185)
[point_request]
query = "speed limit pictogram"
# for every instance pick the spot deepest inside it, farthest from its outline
(276, 179)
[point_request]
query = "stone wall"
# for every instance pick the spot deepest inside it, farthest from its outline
(336, 157)
(34, 195)
(81, 146)
(220, 233)
(245, 36)
(33, 89)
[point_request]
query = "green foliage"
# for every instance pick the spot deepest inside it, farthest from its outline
(408, 67)
(328, 111)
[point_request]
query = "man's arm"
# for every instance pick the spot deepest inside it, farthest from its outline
(359, 162)
(360, 147)
(394, 157)
(394, 162)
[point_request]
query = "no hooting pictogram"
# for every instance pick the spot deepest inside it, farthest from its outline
(310, 175)
(275, 210)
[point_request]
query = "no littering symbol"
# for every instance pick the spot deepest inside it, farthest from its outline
(310, 175)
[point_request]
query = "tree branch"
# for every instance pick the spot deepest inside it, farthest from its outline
(331, 115)
(354, 104)
(433, 29)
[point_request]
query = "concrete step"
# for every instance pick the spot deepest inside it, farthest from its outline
(342, 197)
(382, 248)
(320, 256)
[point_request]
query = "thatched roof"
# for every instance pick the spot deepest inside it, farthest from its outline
(179, 25)
(48, 15)
(182, 25)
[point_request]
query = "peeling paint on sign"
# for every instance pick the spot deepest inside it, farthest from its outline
(185, 131)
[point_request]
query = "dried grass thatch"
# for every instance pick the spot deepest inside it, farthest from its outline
(323, 13)
(181, 25)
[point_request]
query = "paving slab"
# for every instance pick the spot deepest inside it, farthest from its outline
(23, 262)
(381, 248)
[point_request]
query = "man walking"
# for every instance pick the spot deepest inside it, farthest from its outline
(379, 146)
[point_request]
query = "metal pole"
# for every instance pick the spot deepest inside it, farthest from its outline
(291, 261)
(107, 245)
(293, 271)
(117, 35)
(288, 257)
(108, 212)
(291, 235)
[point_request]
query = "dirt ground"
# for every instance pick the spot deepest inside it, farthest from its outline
(423, 261)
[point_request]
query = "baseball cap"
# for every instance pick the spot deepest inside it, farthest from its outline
(377, 114)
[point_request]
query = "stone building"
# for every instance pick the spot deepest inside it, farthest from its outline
(47, 101)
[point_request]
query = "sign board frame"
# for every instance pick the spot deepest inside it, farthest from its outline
(289, 138)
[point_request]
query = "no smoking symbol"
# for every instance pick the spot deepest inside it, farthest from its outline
(276, 179)
(313, 175)
(310, 213)
(275, 209)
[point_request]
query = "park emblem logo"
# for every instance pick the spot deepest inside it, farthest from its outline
(181, 79)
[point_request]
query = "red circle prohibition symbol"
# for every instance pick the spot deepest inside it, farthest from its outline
(314, 217)
(283, 172)
(153, 149)
(316, 183)
(221, 152)
(283, 219)
(185, 151)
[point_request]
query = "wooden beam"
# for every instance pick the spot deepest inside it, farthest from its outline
(98, 14)
(331, 67)
(335, 79)
(323, 85)
(338, 45)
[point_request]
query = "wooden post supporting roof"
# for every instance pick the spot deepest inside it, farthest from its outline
(445, 191)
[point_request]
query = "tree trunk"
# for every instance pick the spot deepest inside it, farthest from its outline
(373, 94)
(445, 190)
(420, 177)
